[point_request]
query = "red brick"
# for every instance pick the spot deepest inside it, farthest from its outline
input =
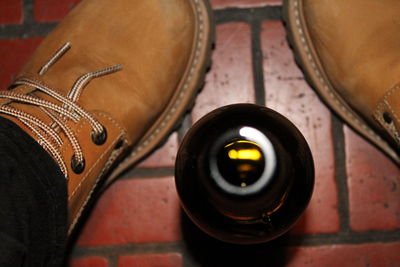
(164, 156)
(374, 183)
(220, 4)
(134, 211)
(89, 262)
(10, 11)
(376, 254)
(230, 79)
(151, 260)
(50, 10)
(288, 93)
(14, 53)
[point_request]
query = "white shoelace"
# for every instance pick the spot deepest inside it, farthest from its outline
(48, 135)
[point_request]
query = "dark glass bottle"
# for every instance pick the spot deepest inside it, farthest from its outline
(244, 174)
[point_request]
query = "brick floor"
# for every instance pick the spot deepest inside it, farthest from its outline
(135, 211)
(14, 53)
(151, 260)
(288, 93)
(11, 11)
(47, 11)
(233, 84)
(89, 262)
(164, 156)
(220, 4)
(353, 218)
(371, 174)
(377, 254)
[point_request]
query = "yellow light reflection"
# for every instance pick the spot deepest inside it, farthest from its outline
(244, 154)
(241, 142)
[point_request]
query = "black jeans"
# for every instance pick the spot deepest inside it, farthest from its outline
(33, 202)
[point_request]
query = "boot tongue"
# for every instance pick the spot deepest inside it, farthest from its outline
(59, 66)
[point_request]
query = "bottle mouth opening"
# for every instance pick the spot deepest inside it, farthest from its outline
(242, 161)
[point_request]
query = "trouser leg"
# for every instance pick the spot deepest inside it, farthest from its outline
(33, 202)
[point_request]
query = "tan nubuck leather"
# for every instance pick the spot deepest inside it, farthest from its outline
(109, 84)
(349, 52)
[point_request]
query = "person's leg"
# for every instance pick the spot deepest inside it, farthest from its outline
(97, 95)
(100, 94)
(33, 201)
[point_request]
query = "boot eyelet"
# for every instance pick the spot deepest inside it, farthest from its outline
(12, 87)
(77, 166)
(100, 138)
(387, 118)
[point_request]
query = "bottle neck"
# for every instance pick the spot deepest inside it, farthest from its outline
(246, 178)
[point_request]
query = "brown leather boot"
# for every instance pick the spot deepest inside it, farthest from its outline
(349, 52)
(109, 84)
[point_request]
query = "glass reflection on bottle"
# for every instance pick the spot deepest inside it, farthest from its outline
(241, 162)
(244, 174)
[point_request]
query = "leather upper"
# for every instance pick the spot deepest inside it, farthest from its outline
(151, 40)
(357, 43)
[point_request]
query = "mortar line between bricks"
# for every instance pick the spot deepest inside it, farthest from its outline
(113, 261)
(25, 31)
(354, 238)
(341, 174)
(314, 240)
(113, 253)
(257, 62)
(129, 249)
(30, 28)
(28, 12)
(248, 14)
